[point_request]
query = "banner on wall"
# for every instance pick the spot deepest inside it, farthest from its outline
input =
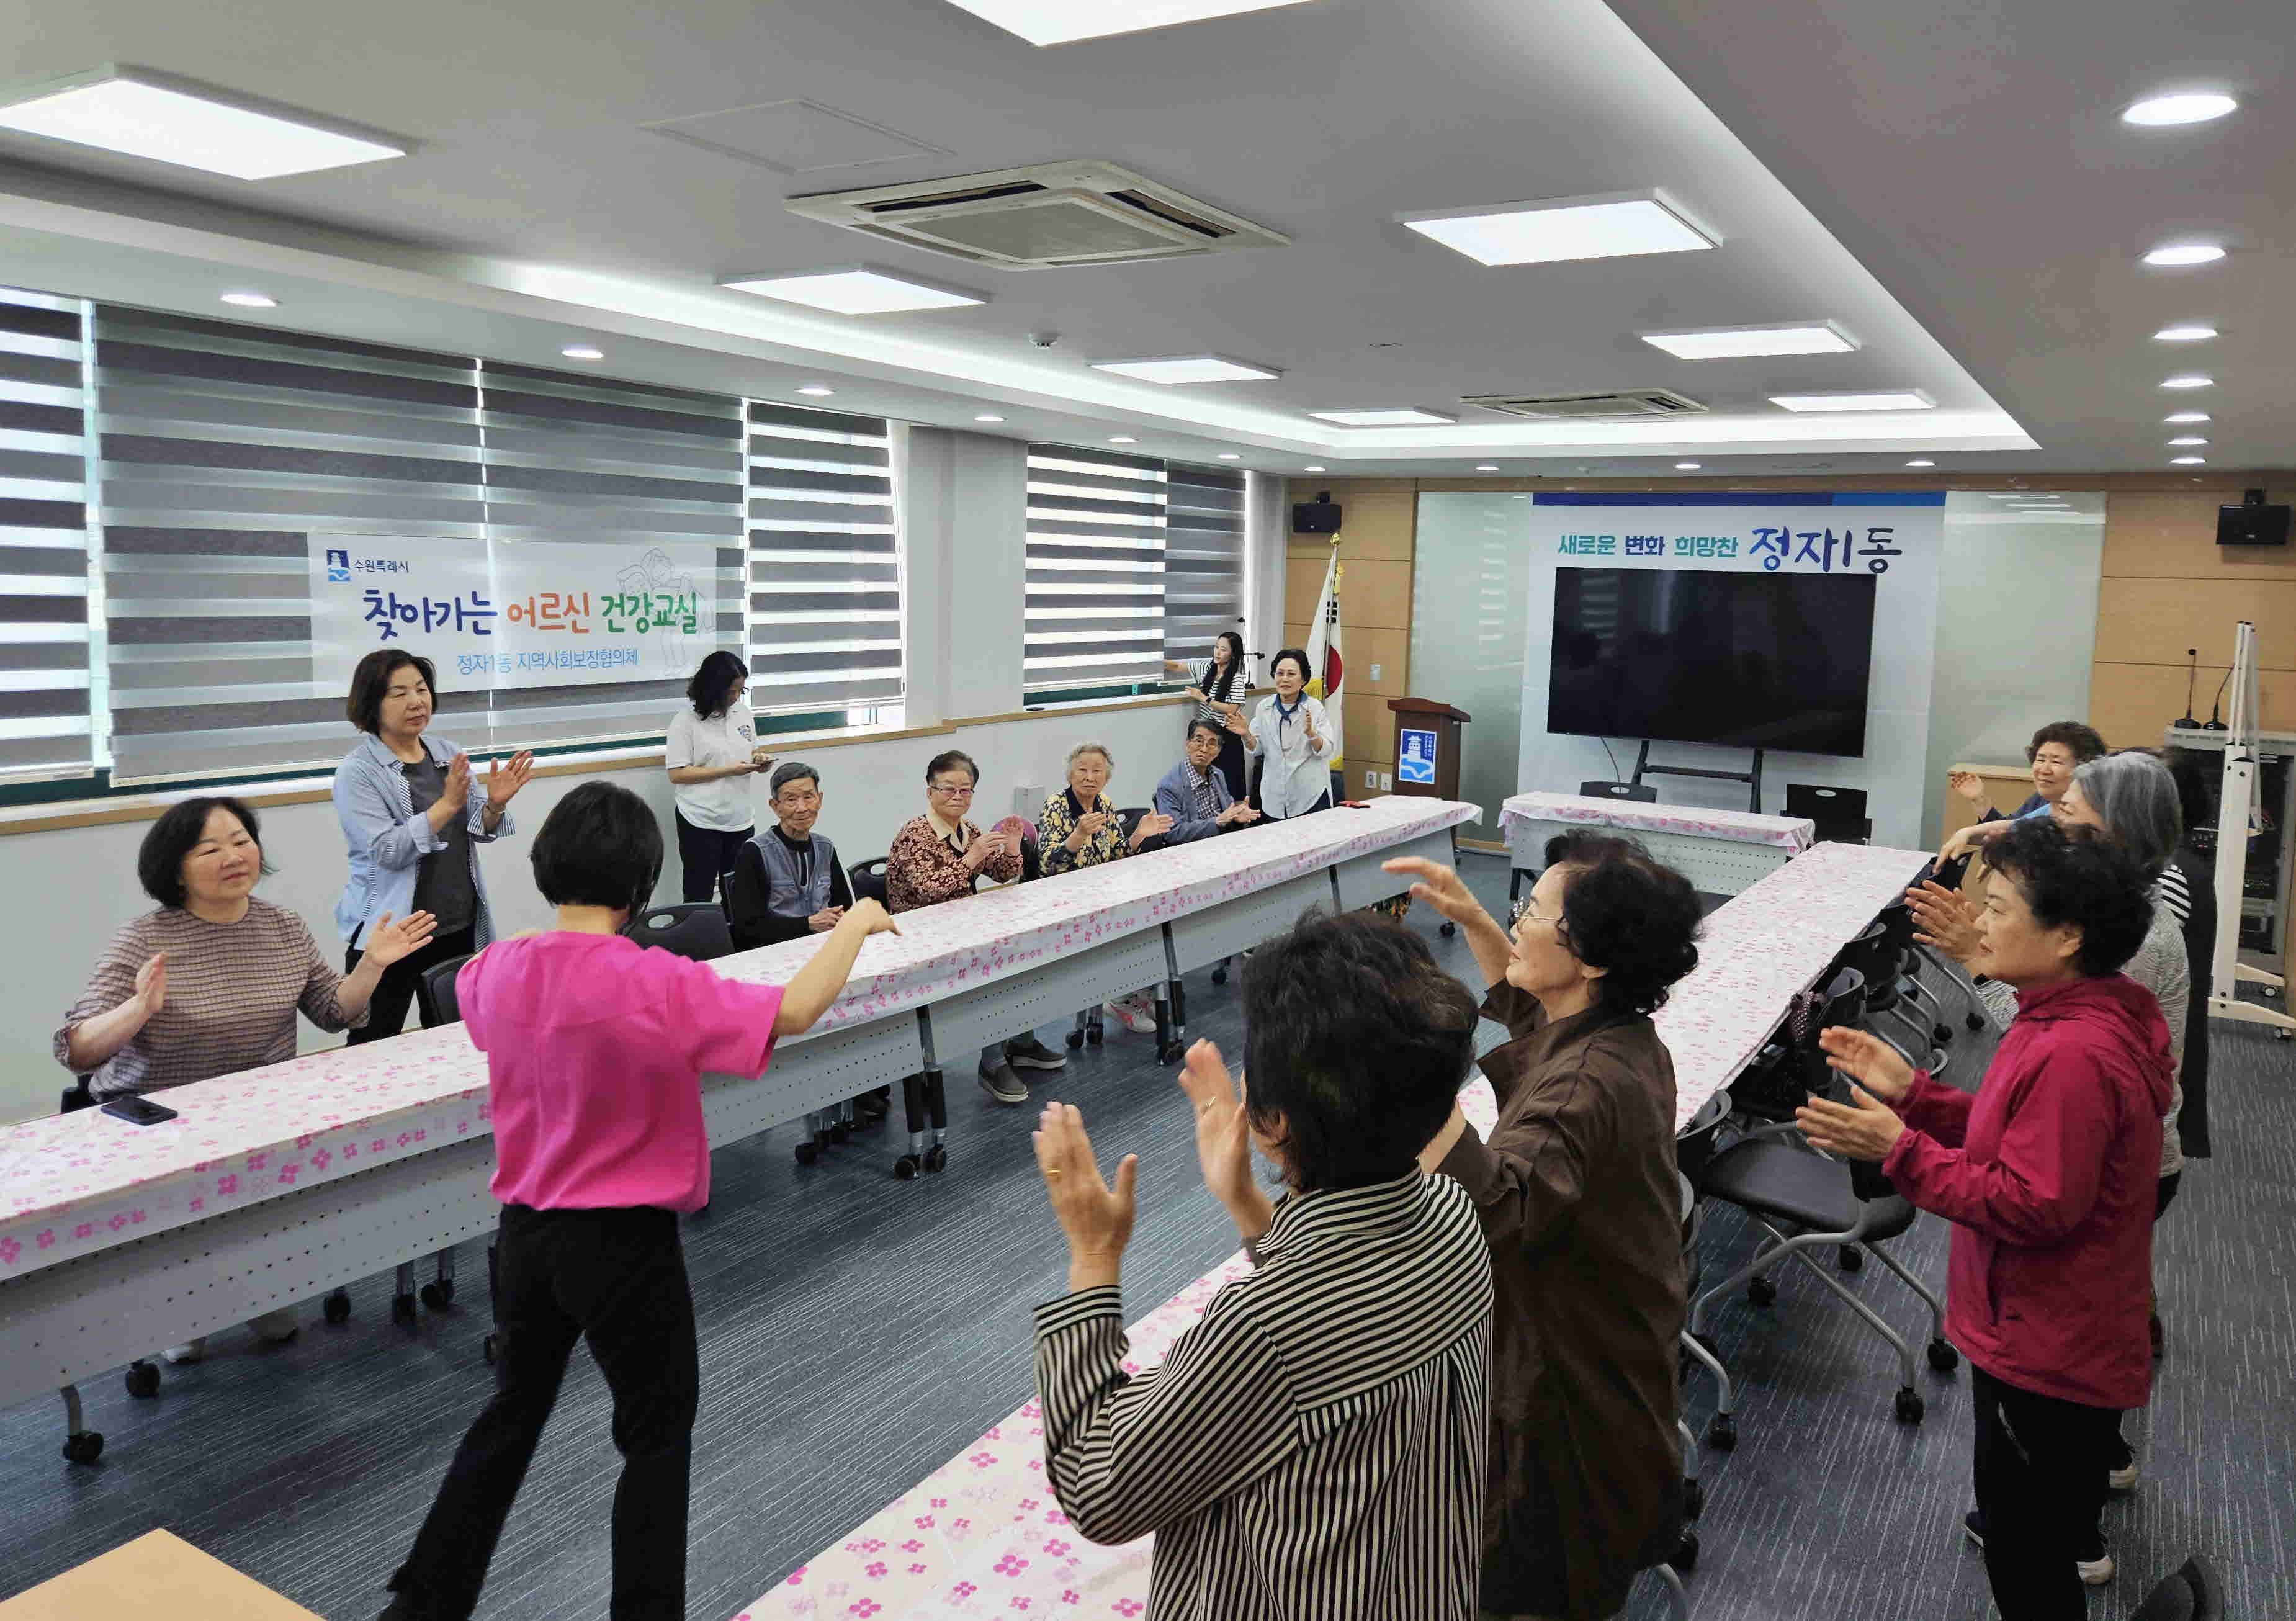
(1798, 531)
(514, 613)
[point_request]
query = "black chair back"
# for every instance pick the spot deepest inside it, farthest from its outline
(1639, 792)
(76, 1097)
(434, 993)
(691, 928)
(869, 880)
(2191, 1593)
(1839, 812)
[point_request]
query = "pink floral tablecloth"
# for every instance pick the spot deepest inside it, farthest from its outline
(983, 1535)
(81, 1182)
(1738, 827)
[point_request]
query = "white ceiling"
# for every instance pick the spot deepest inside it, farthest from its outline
(538, 210)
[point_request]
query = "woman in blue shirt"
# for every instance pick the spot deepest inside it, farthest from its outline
(413, 815)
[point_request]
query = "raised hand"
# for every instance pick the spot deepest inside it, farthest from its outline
(1864, 1128)
(1236, 723)
(1090, 823)
(1867, 1059)
(1096, 1219)
(503, 781)
(1969, 785)
(1439, 885)
(1946, 921)
(394, 942)
(454, 793)
(1152, 825)
(1223, 1135)
(152, 983)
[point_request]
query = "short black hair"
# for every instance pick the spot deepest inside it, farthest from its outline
(1354, 1045)
(1630, 914)
(372, 679)
(1212, 726)
(159, 864)
(949, 759)
(713, 681)
(1307, 670)
(2084, 741)
(2086, 883)
(599, 847)
(2195, 805)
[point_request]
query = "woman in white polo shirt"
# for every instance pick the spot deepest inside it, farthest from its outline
(712, 754)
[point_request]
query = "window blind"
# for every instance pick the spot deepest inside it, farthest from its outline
(823, 562)
(1095, 612)
(1204, 533)
(44, 713)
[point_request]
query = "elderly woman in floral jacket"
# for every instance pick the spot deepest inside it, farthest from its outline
(1081, 827)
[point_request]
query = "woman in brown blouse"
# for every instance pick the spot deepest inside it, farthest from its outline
(1081, 827)
(1576, 1193)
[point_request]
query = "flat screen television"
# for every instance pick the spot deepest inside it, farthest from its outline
(1695, 656)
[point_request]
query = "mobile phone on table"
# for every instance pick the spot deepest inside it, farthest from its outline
(138, 1111)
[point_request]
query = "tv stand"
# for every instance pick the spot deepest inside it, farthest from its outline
(1752, 779)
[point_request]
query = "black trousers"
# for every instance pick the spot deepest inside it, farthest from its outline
(386, 1011)
(704, 853)
(616, 1278)
(1230, 764)
(2041, 1468)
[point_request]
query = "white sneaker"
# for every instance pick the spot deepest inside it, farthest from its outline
(191, 1350)
(2096, 1572)
(2124, 1478)
(1128, 1012)
(275, 1328)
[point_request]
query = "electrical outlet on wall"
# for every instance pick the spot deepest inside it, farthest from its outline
(1387, 782)
(1374, 672)
(1371, 779)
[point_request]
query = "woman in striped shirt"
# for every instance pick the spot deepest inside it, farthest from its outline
(1313, 1448)
(1220, 686)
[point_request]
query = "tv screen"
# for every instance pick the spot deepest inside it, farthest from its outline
(1748, 660)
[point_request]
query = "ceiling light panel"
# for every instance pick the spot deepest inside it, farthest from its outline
(1741, 342)
(1384, 416)
(1189, 368)
(2188, 460)
(1614, 225)
(1901, 399)
(2184, 334)
(1057, 22)
(148, 115)
(2158, 112)
(2186, 416)
(2191, 379)
(251, 301)
(2184, 253)
(856, 290)
(2188, 440)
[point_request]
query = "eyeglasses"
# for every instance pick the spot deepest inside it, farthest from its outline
(1526, 910)
(951, 791)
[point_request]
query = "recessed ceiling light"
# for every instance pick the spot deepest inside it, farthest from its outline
(251, 301)
(1615, 225)
(582, 351)
(856, 290)
(1382, 417)
(1921, 464)
(988, 416)
(1056, 22)
(2188, 460)
(2184, 253)
(816, 390)
(170, 121)
(1738, 342)
(2190, 380)
(1314, 470)
(2188, 438)
(1231, 455)
(1486, 466)
(2186, 416)
(1189, 368)
(1122, 438)
(1900, 399)
(1688, 467)
(2156, 111)
(2184, 334)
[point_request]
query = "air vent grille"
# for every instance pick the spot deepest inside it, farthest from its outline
(1589, 408)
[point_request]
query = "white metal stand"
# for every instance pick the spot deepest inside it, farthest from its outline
(2236, 823)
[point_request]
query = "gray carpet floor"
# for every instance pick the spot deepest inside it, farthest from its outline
(856, 1332)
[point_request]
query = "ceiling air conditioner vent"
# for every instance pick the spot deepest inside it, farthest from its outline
(1046, 216)
(1587, 408)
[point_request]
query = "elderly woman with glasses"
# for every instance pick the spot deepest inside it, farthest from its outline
(1577, 1194)
(937, 857)
(1081, 827)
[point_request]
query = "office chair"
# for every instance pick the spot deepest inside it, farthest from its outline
(82, 1445)
(2192, 1593)
(1783, 1184)
(434, 993)
(1839, 812)
(1170, 1002)
(691, 929)
(868, 880)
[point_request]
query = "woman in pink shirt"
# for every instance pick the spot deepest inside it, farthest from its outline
(595, 1049)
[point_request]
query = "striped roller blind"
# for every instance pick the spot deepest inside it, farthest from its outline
(1095, 576)
(1203, 559)
(44, 644)
(825, 564)
(586, 460)
(222, 448)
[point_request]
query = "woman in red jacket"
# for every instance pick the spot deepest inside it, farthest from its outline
(2048, 1175)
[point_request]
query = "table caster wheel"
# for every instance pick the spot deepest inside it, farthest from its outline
(142, 1380)
(1851, 1258)
(1168, 1053)
(1074, 1039)
(1448, 930)
(808, 1151)
(840, 1133)
(439, 1295)
(402, 1308)
(84, 1447)
(1693, 1499)
(1910, 1406)
(336, 1307)
(937, 1159)
(1685, 1554)
(1943, 1357)
(1093, 1035)
(490, 1348)
(1722, 1432)
(1975, 1021)
(905, 1167)
(1220, 974)
(1761, 1291)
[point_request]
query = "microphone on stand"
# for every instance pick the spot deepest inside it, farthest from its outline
(2187, 719)
(2215, 706)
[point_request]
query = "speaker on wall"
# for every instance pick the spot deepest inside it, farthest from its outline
(2252, 523)
(1320, 516)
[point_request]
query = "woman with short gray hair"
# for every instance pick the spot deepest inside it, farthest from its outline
(1081, 827)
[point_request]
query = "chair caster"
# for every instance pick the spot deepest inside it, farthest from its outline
(937, 1159)
(142, 1380)
(439, 1295)
(1761, 1291)
(84, 1447)
(1722, 1432)
(1851, 1258)
(1685, 1554)
(1220, 974)
(1943, 1357)
(808, 1151)
(336, 1307)
(1169, 1052)
(907, 1167)
(840, 1133)
(1693, 1499)
(1941, 1032)
(1093, 1035)
(1448, 930)
(1975, 1021)
(1910, 1406)
(402, 1308)
(1074, 1039)
(490, 1348)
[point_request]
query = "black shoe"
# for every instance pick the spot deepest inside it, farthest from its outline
(1027, 1052)
(1001, 1084)
(2093, 1562)
(2160, 1341)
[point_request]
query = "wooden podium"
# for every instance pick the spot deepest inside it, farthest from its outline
(1427, 746)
